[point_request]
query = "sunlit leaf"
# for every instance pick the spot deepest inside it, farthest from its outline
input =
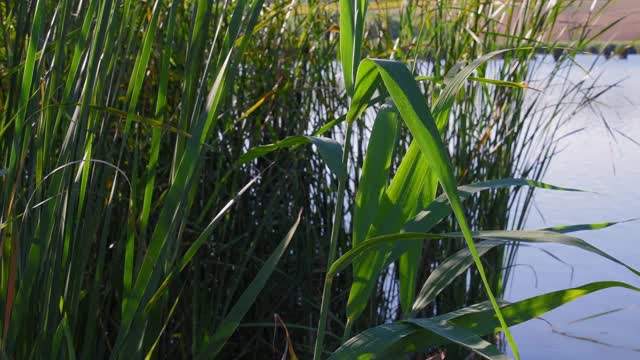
(404, 337)
(329, 149)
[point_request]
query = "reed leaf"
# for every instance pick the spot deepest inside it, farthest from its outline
(352, 26)
(375, 172)
(461, 336)
(231, 321)
(329, 149)
(480, 319)
(459, 262)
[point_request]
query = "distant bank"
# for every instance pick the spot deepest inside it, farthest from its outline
(627, 30)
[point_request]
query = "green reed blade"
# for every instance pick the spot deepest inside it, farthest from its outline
(231, 321)
(329, 149)
(460, 261)
(375, 172)
(461, 336)
(352, 23)
(403, 337)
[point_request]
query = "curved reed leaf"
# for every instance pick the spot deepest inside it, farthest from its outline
(197, 244)
(374, 342)
(392, 208)
(461, 336)
(584, 227)
(482, 80)
(390, 220)
(375, 172)
(409, 191)
(372, 196)
(447, 272)
(435, 212)
(459, 262)
(440, 208)
(485, 323)
(329, 149)
(405, 337)
(372, 244)
(500, 183)
(545, 236)
(456, 264)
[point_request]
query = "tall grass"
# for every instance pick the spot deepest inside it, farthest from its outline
(130, 227)
(107, 198)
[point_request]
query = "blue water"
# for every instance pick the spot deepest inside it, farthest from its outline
(609, 166)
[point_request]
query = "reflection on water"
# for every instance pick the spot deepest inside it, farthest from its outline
(606, 162)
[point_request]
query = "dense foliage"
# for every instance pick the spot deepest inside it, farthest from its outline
(144, 215)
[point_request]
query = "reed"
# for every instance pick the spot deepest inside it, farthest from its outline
(138, 221)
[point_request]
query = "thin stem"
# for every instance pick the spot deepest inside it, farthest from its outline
(347, 331)
(337, 223)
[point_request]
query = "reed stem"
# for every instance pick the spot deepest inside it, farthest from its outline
(347, 331)
(335, 232)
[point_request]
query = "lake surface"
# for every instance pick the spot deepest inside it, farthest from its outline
(609, 166)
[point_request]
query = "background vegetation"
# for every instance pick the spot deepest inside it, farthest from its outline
(122, 131)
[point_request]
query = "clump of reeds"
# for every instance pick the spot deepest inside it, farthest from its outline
(130, 226)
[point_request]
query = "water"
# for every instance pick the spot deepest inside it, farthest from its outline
(609, 166)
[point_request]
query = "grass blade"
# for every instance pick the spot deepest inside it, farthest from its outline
(197, 244)
(484, 322)
(373, 243)
(584, 227)
(447, 272)
(440, 208)
(372, 201)
(352, 18)
(544, 236)
(398, 204)
(329, 149)
(456, 264)
(232, 320)
(375, 172)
